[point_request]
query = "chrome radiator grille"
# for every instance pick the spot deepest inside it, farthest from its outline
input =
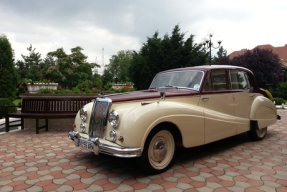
(99, 117)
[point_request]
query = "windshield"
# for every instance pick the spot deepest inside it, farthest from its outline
(180, 79)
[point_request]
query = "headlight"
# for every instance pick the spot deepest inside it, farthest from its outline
(83, 127)
(114, 118)
(113, 135)
(83, 114)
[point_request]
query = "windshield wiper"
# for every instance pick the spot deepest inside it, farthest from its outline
(171, 86)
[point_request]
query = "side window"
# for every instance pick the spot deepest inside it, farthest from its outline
(219, 79)
(238, 80)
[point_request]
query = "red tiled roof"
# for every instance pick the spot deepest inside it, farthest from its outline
(280, 51)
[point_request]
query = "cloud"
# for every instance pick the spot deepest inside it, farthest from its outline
(121, 25)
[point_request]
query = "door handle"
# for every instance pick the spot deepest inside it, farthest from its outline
(205, 98)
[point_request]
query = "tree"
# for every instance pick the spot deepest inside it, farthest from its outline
(281, 90)
(119, 65)
(8, 80)
(71, 70)
(158, 54)
(97, 80)
(221, 53)
(263, 63)
(107, 77)
(32, 63)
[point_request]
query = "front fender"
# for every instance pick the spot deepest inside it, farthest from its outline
(263, 111)
(136, 122)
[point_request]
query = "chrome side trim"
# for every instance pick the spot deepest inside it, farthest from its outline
(99, 147)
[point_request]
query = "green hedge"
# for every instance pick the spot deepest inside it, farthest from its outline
(6, 102)
(76, 90)
(278, 101)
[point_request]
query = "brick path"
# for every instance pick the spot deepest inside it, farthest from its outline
(50, 162)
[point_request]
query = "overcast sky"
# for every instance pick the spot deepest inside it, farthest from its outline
(125, 24)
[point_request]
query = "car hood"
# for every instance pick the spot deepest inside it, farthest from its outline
(150, 94)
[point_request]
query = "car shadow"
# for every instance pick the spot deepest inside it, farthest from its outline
(127, 166)
(217, 147)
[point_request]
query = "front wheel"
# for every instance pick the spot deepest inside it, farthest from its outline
(159, 152)
(257, 134)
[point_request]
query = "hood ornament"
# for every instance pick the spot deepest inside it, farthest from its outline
(101, 95)
(162, 96)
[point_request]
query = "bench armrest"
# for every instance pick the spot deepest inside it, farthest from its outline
(10, 106)
(7, 107)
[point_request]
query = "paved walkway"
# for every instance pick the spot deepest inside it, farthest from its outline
(12, 121)
(50, 162)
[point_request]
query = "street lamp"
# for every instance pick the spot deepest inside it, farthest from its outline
(207, 43)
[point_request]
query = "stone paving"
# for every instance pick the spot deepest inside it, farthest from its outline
(50, 162)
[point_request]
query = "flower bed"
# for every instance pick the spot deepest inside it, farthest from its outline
(83, 90)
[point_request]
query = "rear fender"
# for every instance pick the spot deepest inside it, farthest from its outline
(263, 111)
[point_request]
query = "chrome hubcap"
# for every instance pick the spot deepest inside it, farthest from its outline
(159, 149)
(261, 132)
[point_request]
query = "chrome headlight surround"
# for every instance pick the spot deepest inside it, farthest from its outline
(83, 127)
(114, 118)
(83, 114)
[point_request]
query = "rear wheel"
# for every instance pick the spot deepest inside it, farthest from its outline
(257, 134)
(159, 152)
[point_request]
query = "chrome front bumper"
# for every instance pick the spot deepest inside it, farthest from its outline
(98, 145)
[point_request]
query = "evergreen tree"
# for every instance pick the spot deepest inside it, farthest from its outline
(22, 69)
(107, 77)
(8, 80)
(220, 54)
(158, 54)
(33, 62)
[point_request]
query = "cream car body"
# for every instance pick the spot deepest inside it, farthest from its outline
(224, 101)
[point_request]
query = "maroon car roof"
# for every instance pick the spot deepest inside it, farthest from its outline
(207, 68)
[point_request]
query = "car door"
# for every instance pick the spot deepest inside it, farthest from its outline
(243, 98)
(218, 104)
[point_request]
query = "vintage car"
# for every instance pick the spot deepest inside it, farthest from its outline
(183, 107)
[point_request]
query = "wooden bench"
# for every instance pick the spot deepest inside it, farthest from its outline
(45, 108)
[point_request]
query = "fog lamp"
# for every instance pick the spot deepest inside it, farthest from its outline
(113, 135)
(83, 127)
(83, 114)
(114, 118)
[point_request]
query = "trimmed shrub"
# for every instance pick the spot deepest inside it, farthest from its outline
(281, 90)
(278, 101)
(6, 102)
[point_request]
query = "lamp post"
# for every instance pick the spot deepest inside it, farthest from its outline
(207, 43)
